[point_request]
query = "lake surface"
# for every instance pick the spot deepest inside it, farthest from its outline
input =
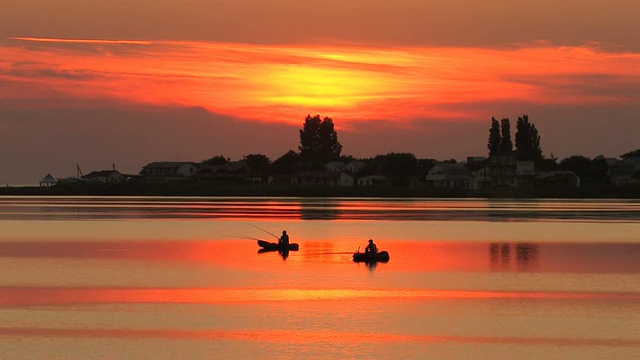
(181, 278)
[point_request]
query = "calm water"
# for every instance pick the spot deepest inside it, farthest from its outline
(180, 278)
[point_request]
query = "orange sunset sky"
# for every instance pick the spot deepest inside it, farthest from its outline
(131, 82)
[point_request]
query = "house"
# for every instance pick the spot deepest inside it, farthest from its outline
(168, 169)
(449, 176)
(334, 166)
(475, 159)
(354, 167)
(104, 176)
(555, 179)
(502, 169)
(480, 179)
(209, 170)
(255, 179)
(525, 174)
(622, 171)
(371, 180)
(507, 171)
(228, 170)
(280, 179)
(238, 167)
(325, 178)
(48, 181)
(69, 181)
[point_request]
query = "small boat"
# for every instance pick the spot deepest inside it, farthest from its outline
(381, 256)
(265, 245)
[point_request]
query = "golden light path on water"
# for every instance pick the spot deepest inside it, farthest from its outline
(308, 337)
(66, 296)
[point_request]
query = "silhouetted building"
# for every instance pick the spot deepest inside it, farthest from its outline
(507, 171)
(557, 179)
(371, 180)
(231, 169)
(168, 169)
(480, 179)
(622, 172)
(446, 175)
(354, 167)
(105, 176)
(334, 166)
(48, 181)
(327, 178)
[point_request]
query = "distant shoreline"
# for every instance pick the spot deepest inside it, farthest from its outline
(197, 188)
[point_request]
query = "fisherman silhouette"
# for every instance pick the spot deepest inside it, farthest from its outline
(283, 242)
(371, 249)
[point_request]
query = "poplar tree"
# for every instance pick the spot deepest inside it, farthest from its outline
(494, 137)
(527, 140)
(506, 145)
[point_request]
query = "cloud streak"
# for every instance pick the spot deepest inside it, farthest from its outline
(281, 83)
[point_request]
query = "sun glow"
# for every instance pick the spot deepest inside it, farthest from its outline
(279, 83)
(321, 87)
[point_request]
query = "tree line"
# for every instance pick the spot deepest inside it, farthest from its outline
(527, 147)
(319, 145)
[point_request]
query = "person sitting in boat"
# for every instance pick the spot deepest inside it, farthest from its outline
(371, 248)
(284, 239)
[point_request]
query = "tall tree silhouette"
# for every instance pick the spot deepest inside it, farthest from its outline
(319, 140)
(506, 145)
(527, 140)
(494, 137)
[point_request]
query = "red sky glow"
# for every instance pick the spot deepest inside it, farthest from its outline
(278, 83)
(160, 80)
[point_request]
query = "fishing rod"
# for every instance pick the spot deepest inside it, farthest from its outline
(328, 253)
(259, 228)
(246, 237)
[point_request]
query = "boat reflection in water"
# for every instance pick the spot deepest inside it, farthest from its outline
(282, 252)
(371, 260)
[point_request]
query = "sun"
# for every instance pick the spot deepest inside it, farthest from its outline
(319, 87)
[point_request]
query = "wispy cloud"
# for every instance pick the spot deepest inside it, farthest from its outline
(81, 41)
(285, 82)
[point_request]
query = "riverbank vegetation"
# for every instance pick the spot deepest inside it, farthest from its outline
(319, 169)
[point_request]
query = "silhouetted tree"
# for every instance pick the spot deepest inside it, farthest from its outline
(630, 154)
(287, 163)
(544, 164)
(601, 168)
(494, 137)
(527, 140)
(347, 158)
(424, 165)
(581, 166)
(319, 140)
(257, 162)
(216, 160)
(506, 145)
(397, 166)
